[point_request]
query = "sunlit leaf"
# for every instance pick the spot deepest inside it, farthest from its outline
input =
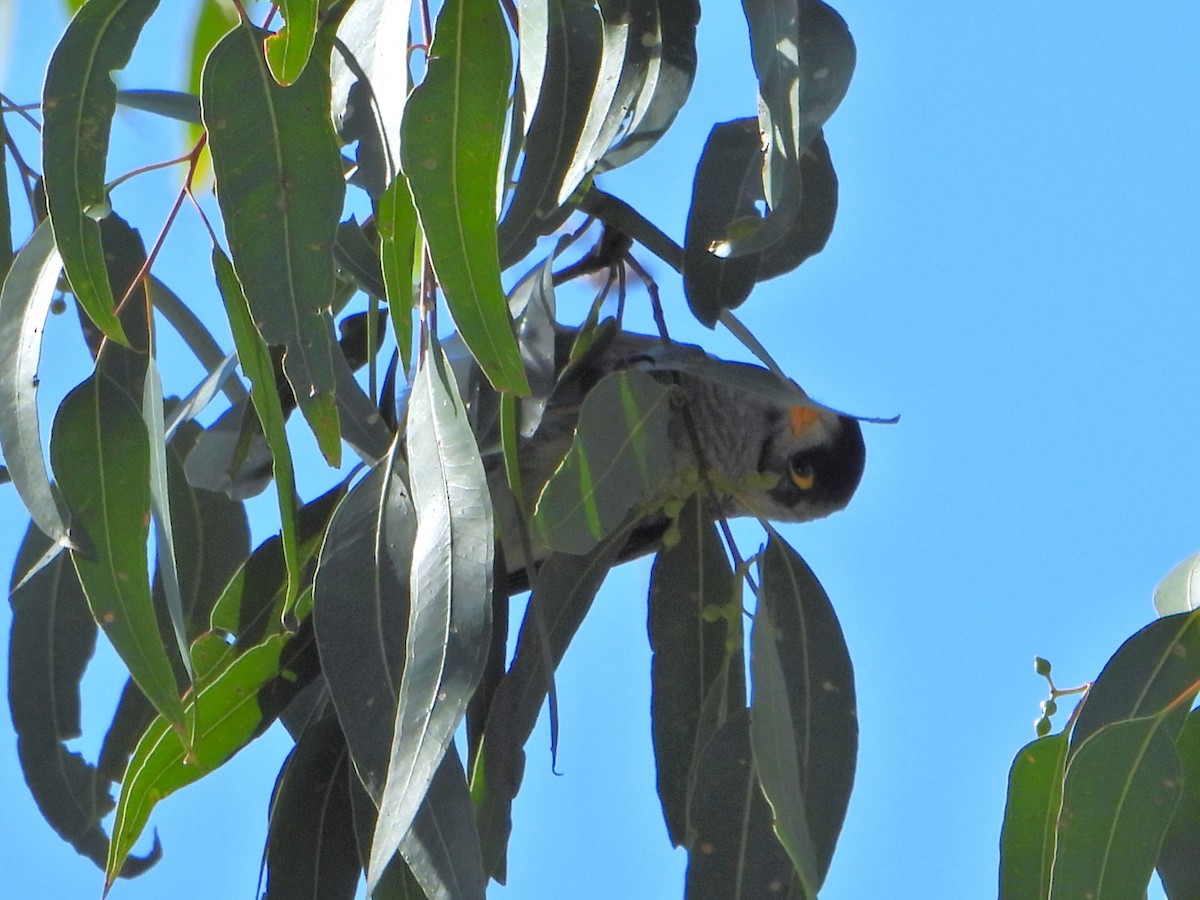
(618, 460)
(78, 102)
(1121, 788)
(24, 305)
(370, 86)
(288, 50)
(280, 187)
(567, 33)
(670, 38)
(451, 591)
(160, 507)
(1028, 838)
(397, 220)
(256, 363)
(691, 580)
(227, 713)
(101, 457)
(452, 136)
(310, 842)
(1179, 590)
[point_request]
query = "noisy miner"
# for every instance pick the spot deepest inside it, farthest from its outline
(766, 448)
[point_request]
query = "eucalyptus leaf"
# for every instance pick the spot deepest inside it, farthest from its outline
(1028, 838)
(451, 588)
(280, 188)
(24, 305)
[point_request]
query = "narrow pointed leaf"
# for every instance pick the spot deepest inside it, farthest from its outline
(24, 305)
(6, 245)
(160, 507)
(227, 714)
(1121, 789)
(397, 220)
(670, 38)
(280, 188)
(194, 333)
(620, 458)
(733, 851)
(451, 583)
(1028, 838)
(804, 725)
(360, 614)
(570, 32)
(452, 136)
(256, 363)
(101, 456)
(78, 102)
(690, 581)
(289, 49)
(177, 105)
(310, 848)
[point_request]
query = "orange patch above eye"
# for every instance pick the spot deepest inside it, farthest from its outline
(802, 418)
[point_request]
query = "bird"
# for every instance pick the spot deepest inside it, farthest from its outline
(765, 449)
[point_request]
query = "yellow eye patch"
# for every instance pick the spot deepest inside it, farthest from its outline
(803, 476)
(802, 418)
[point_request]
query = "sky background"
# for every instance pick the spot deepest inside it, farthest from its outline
(1014, 271)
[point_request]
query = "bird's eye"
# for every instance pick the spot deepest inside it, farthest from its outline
(802, 472)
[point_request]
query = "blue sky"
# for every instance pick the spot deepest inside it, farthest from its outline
(1013, 271)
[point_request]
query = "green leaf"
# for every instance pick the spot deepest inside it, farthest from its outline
(1122, 786)
(727, 188)
(397, 221)
(1028, 838)
(250, 605)
(693, 645)
(451, 589)
(194, 333)
(450, 151)
(1179, 859)
(1151, 674)
(618, 460)
(256, 363)
(280, 188)
(310, 848)
(670, 38)
(78, 102)
(560, 46)
(563, 593)
(227, 714)
(733, 851)
(360, 613)
(160, 506)
(24, 305)
(101, 456)
(804, 724)
(289, 49)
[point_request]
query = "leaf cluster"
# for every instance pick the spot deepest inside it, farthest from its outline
(352, 207)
